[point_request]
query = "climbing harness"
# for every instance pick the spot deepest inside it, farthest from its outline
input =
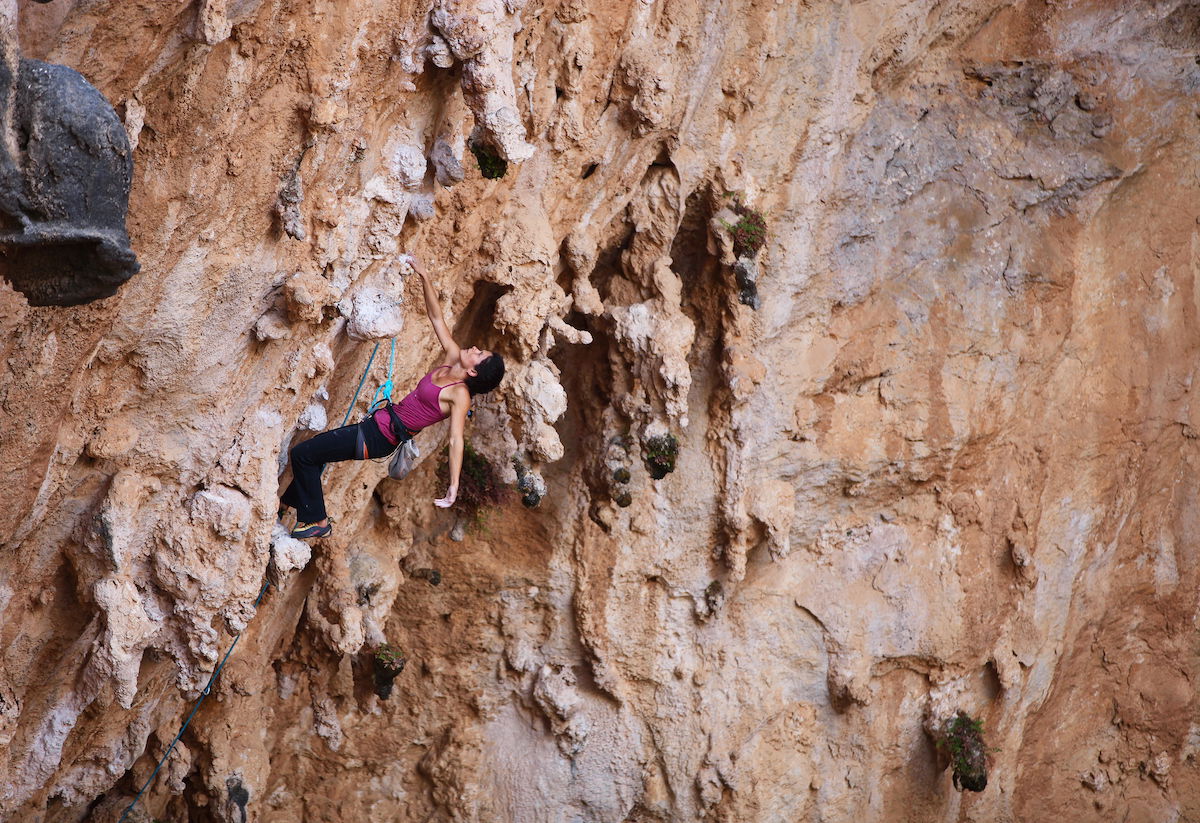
(203, 694)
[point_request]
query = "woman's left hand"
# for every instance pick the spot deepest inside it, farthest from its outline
(447, 501)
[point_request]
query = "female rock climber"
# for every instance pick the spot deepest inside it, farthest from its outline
(444, 392)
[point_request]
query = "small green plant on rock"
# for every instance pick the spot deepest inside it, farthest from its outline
(660, 454)
(962, 739)
(491, 165)
(389, 662)
(479, 484)
(749, 233)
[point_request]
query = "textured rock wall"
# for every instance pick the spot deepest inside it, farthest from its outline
(947, 463)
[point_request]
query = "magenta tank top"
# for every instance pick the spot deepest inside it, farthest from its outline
(419, 408)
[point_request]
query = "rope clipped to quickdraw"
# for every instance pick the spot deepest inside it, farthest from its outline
(386, 387)
(203, 694)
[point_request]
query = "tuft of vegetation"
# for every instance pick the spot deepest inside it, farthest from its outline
(389, 662)
(660, 453)
(623, 499)
(749, 232)
(621, 475)
(961, 738)
(491, 165)
(479, 485)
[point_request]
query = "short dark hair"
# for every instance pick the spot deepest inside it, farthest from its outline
(488, 375)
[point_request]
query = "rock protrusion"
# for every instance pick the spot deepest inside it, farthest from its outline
(287, 553)
(375, 314)
(306, 296)
(287, 206)
(480, 34)
(64, 188)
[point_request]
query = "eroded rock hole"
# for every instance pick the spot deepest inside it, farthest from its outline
(475, 325)
(706, 288)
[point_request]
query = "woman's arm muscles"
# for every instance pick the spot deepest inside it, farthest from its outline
(434, 309)
(459, 404)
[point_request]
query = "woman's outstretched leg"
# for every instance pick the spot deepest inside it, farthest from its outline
(304, 493)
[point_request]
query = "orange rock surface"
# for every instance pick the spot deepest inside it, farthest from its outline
(949, 462)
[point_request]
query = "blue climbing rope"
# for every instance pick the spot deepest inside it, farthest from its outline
(203, 694)
(386, 387)
(366, 371)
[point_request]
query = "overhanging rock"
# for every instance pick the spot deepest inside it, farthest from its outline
(64, 192)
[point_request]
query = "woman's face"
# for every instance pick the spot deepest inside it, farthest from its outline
(472, 357)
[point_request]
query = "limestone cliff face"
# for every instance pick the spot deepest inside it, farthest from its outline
(937, 438)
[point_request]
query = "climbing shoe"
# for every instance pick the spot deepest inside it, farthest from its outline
(306, 531)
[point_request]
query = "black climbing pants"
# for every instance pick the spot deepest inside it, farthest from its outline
(304, 493)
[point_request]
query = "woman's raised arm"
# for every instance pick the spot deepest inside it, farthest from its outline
(434, 309)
